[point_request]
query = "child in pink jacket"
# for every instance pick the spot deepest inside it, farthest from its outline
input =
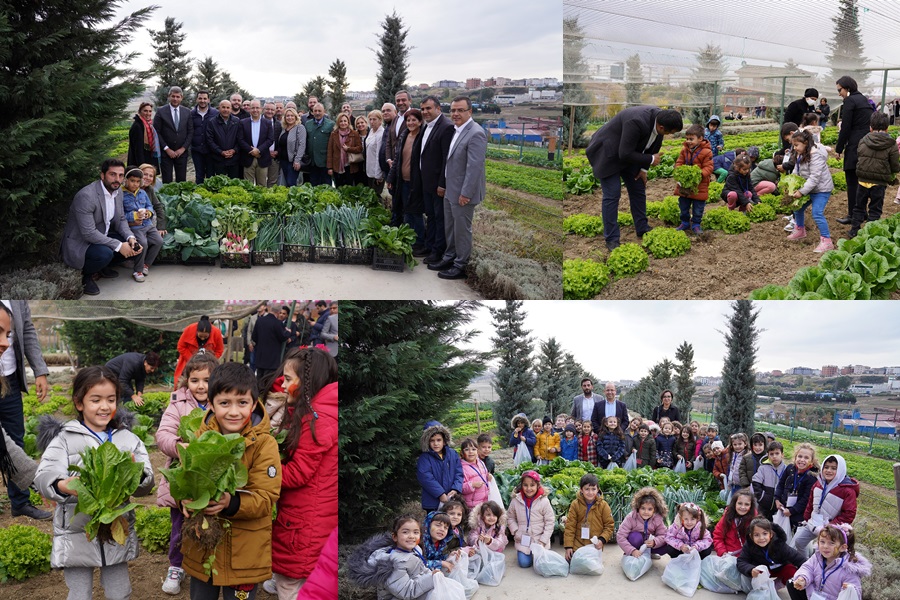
(487, 524)
(689, 532)
(191, 394)
(475, 475)
(645, 524)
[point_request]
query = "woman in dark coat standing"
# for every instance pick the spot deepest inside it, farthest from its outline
(855, 116)
(405, 178)
(143, 141)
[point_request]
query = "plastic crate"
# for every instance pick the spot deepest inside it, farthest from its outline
(331, 255)
(200, 260)
(386, 261)
(296, 253)
(358, 256)
(236, 260)
(167, 257)
(273, 257)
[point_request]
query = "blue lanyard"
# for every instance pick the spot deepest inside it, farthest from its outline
(477, 472)
(413, 551)
(796, 483)
(586, 514)
(769, 560)
(824, 494)
(96, 435)
(202, 406)
(646, 525)
(824, 576)
(734, 460)
(688, 532)
(691, 162)
(527, 517)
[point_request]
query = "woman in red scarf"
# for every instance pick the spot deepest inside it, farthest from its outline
(143, 141)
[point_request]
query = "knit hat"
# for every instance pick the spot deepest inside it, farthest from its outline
(769, 435)
(533, 475)
(570, 427)
(753, 152)
(718, 445)
(547, 420)
(811, 93)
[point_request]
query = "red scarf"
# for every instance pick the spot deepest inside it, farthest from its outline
(149, 139)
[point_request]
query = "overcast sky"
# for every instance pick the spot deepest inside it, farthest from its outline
(624, 339)
(271, 49)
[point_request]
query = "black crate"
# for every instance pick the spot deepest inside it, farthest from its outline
(330, 255)
(167, 257)
(274, 257)
(297, 253)
(358, 256)
(386, 261)
(200, 260)
(236, 260)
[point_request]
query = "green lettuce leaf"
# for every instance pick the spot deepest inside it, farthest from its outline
(844, 285)
(189, 424)
(210, 465)
(807, 279)
(835, 260)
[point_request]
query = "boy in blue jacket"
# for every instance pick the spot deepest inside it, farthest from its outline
(569, 444)
(438, 469)
(714, 136)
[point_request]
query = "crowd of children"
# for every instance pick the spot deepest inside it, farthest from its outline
(301, 483)
(762, 491)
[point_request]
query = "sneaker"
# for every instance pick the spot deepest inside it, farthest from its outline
(791, 224)
(798, 234)
(269, 586)
(172, 584)
(138, 276)
(825, 245)
(696, 229)
(683, 227)
(146, 270)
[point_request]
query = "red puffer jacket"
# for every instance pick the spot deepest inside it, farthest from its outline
(308, 506)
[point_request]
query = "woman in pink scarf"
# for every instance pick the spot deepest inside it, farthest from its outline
(143, 141)
(343, 142)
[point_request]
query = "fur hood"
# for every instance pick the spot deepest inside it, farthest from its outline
(49, 427)
(512, 421)
(369, 565)
(431, 428)
(661, 507)
(475, 518)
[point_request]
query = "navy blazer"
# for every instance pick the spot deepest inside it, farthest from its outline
(198, 141)
(165, 126)
(600, 413)
(266, 139)
(223, 135)
(620, 143)
(268, 336)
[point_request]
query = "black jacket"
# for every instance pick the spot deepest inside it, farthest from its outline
(415, 203)
(792, 483)
(224, 135)
(268, 336)
(659, 412)
(795, 111)
(198, 142)
(129, 367)
(855, 116)
(779, 553)
(737, 183)
(434, 154)
(165, 127)
(619, 144)
(137, 153)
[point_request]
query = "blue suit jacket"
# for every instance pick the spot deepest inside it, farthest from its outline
(266, 139)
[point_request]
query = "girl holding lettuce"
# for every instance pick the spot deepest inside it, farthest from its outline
(812, 163)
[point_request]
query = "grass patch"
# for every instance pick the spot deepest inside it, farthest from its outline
(541, 182)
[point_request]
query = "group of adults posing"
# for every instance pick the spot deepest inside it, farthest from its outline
(624, 149)
(432, 165)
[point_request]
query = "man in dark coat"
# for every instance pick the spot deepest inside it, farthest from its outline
(622, 150)
(176, 132)
(134, 367)
(794, 111)
(223, 136)
(319, 322)
(200, 114)
(856, 112)
(437, 132)
(612, 408)
(269, 334)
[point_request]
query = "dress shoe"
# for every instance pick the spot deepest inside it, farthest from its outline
(107, 273)
(641, 234)
(33, 512)
(845, 220)
(432, 258)
(612, 245)
(441, 265)
(452, 273)
(420, 251)
(90, 286)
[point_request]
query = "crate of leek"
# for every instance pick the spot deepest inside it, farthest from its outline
(327, 246)
(298, 244)
(267, 246)
(352, 223)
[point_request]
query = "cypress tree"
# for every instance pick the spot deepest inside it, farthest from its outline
(634, 80)
(514, 382)
(644, 397)
(575, 70)
(393, 59)
(710, 67)
(64, 83)
(845, 50)
(684, 380)
(171, 65)
(734, 412)
(229, 86)
(209, 77)
(551, 374)
(338, 85)
(402, 364)
(313, 87)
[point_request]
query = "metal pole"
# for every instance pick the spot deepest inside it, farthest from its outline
(712, 411)
(522, 142)
(571, 125)
(872, 438)
(833, 422)
(289, 320)
(793, 419)
(783, 86)
(477, 416)
(715, 96)
(883, 88)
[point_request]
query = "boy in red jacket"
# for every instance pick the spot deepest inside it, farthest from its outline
(694, 151)
(831, 502)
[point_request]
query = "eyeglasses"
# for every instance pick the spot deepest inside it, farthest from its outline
(459, 110)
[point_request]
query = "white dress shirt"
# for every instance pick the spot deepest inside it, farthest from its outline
(254, 132)
(109, 210)
(398, 121)
(653, 135)
(610, 408)
(587, 407)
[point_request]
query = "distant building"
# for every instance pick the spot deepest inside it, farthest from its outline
(848, 370)
(777, 373)
(829, 370)
(763, 78)
(801, 371)
(473, 83)
(448, 83)
(423, 86)
(860, 369)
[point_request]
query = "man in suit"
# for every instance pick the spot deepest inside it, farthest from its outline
(318, 130)
(256, 138)
(200, 114)
(436, 135)
(268, 337)
(24, 345)
(310, 105)
(583, 404)
(275, 167)
(388, 113)
(463, 186)
(623, 149)
(329, 334)
(96, 236)
(610, 408)
(222, 135)
(133, 367)
(398, 124)
(237, 107)
(176, 132)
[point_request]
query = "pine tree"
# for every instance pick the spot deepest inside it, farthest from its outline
(393, 59)
(575, 70)
(845, 50)
(644, 397)
(171, 65)
(313, 87)
(338, 85)
(710, 67)
(684, 380)
(551, 373)
(634, 80)
(229, 86)
(65, 83)
(209, 78)
(734, 412)
(514, 382)
(402, 363)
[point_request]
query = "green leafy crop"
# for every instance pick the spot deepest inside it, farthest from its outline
(210, 466)
(762, 212)
(787, 186)
(625, 219)
(582, 224)
(24, 552)
(664, 242)
(669, 211)
(771, 292)
(775, 202)
(581, 181)
(724, 219)
(627, 260)
(153, 526)
(840, 181)
(189, 424)
(715, 191)
(107, 478)
(689, 178)
(583, 279)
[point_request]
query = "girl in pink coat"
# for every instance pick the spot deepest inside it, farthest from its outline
(689, 532)
(475, 475)
(191, 394)
(487, 524)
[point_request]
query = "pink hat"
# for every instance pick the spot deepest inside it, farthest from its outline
(533, 475)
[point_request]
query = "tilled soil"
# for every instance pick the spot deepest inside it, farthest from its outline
(718, 266)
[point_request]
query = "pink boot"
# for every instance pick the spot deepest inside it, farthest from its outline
(798, 234)
(825, 245)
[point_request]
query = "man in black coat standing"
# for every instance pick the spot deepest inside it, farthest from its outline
(269, 335)
(610, 408)
(622, 150)
(437, 132)
(796, 109)
(134, 367)
(176, 133)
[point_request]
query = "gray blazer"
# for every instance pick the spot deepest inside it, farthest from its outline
(575, 413)
(85, 225)
(465, 165)
(296, 143)
(25, 467)
(26, 344)
(329, 334)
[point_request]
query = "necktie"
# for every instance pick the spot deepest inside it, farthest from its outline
(176, 117)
